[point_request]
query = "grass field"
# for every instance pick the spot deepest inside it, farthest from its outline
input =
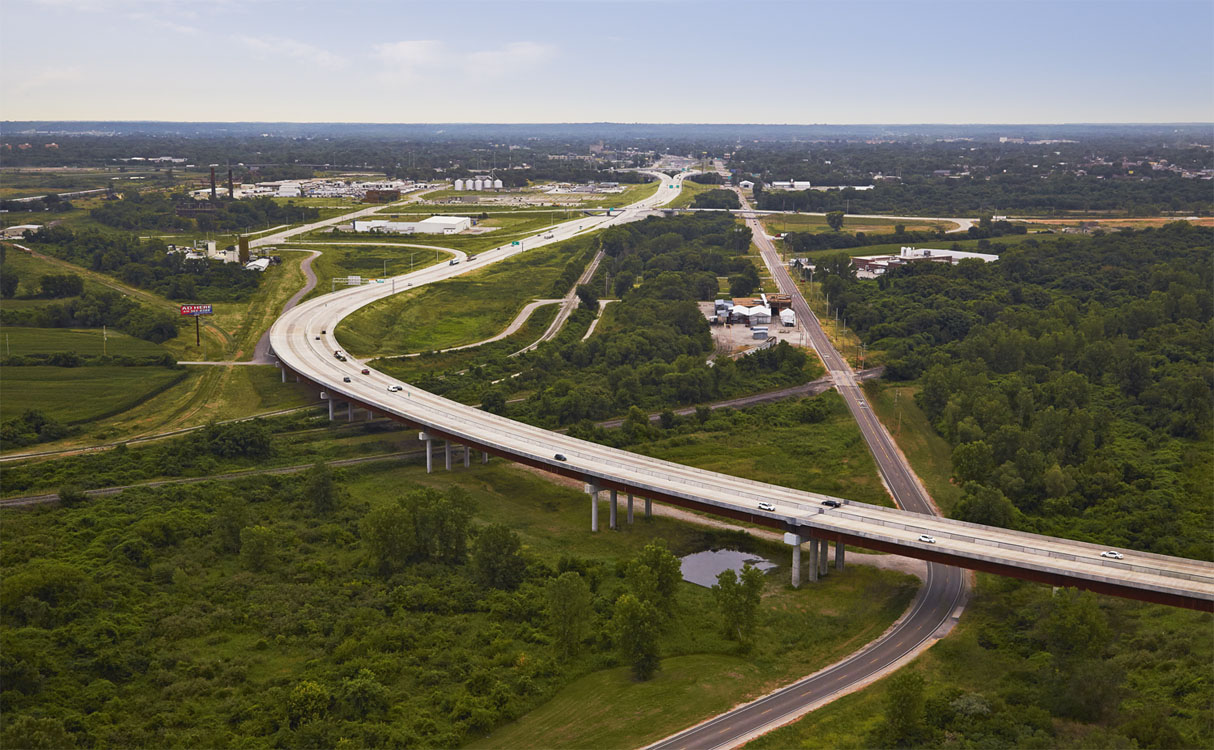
(18, 341)
(508, 226)
(74, 395)
(690, 191)
(851, 224)
(458, 311)
(369, 261)
(409, 368)
(929, 454)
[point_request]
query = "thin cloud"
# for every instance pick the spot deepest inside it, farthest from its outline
(50, 78)
(276, 46)
(404, 59)
(514, 58)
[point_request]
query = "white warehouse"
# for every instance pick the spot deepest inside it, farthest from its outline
(432, 225)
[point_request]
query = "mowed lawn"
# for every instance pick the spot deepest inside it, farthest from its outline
(80, 394)
(87, 342)
(458, 311)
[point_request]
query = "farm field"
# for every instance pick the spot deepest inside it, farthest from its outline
(851, 224)
(87, 342)
(75, 395)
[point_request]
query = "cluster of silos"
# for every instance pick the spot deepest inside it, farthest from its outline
(478, 183)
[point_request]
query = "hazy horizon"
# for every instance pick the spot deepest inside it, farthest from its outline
(665, 62)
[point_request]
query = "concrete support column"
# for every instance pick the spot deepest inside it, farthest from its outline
(630, 509)
(824, 558)
(484, 457)
(370, 416)
(447, 453)
(467, 456)
(813, 559)
(283, 370)
(593, 491)
(839, 547)
(429, 450)
(296, 378)
(614, 505)
(796, 565)
(330, 410)
(648, 508)
(349, 411)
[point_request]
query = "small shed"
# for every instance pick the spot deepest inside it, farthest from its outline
(788, 318)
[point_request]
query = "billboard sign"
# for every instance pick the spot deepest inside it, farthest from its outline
(196, 310)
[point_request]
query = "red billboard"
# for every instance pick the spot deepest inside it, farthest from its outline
(195, 309)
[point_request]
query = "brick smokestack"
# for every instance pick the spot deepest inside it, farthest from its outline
(231, 191)
(212, 183)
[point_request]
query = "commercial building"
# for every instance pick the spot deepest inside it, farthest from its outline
(788, 318)
(431, 225)
(872, 266)
(18, 231)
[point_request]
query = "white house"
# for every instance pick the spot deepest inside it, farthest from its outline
(260, 264)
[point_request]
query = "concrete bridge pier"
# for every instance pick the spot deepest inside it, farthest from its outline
(629, 509)
(593, 491)
(824, 558)
(484, 457)
(839, 547)
(283, 370)
(429, 450)
(467, 456)
(296, 378)
(795, 541)
(349, 411)
(813, 559)
(648, 508)
(614, 525)
(330, 410)
(447, 453)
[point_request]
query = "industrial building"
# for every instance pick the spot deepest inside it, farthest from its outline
(872, 266)
(431, 225)
(788, 318)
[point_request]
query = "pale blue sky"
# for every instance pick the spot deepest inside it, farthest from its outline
(624, 61)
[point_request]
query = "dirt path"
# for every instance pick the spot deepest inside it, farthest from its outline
(516, 324)
(595, 323)
(568, 305)
(261, 353)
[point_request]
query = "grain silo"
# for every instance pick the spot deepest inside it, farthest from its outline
(459, 184)
(497, 184)
(479, 184)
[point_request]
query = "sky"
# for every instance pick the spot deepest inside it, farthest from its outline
(675, 61)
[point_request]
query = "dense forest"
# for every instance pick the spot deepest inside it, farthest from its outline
(145, 264)
(1075, 383)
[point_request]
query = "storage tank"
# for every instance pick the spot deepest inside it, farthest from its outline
(459, 184)
(497, 184)
(479, 184)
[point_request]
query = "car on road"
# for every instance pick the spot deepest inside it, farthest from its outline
(366, 371)
(318, 338)
(1112, 555)
(549, 235)
(346, 379)
(831, 503)
(926, 538)
(395, 389)
(471, 258)
(560, 457)
(767, 507)
(453, 262)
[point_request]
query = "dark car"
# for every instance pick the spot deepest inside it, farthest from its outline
(831, 503)
(560, 457)
(346, 379)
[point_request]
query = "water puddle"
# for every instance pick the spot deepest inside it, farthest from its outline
(702, 568)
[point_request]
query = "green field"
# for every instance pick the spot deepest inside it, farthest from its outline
(851, 224)
(458, 311)
(87, 342)
(81, 394)
(929, 454)
(368, 261)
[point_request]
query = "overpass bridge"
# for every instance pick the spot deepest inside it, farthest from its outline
(304, 342)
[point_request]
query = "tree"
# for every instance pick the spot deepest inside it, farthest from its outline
(972, 462)
(320, 488)
(8, 283)
(230, 520)
(569, 611)
(738, 601)
(71, 494)
(497, 561)
(62, 285)
(742, 285)
(904, 704)
(588, 298)
(363, 696)
(654, 577)
(634, 629)
(494, 401)
(388, 534)
(985, 505)
(834, 220)
(257, 547)
(308, 701)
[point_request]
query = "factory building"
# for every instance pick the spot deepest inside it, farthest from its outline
(872, 266)
(432, 225)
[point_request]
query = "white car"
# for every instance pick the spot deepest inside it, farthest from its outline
(395, 388)
(767, 507)
(1112, 555)
(927, 539)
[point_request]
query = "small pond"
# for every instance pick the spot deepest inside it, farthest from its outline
(702, 568)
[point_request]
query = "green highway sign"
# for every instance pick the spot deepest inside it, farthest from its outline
(514, 243)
